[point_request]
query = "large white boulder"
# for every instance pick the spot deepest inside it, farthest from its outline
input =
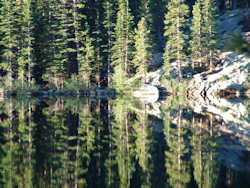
(147, 93)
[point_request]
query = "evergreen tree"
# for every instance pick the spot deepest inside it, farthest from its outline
(143, 55)
(79, 19)
(9, 40)
(41, 43)
(56, 70)
(25, 58)
(208, 30)
(196, 35)
(110, 7)
(98, 43)
(175, 25)
(88, 59)
(122, 53)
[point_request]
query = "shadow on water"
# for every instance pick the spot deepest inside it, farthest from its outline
(118, 143)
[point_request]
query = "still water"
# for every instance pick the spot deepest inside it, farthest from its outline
(60, 142)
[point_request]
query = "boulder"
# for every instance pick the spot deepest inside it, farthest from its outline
(147, 93)
(232, 74)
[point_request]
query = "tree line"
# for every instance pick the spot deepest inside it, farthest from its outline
(102, 42)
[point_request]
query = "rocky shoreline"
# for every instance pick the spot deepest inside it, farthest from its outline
(231, 74)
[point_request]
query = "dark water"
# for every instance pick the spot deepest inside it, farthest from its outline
(117, 143)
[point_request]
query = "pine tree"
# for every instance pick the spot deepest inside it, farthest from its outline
(122, 53)
(25, 58)
(81, 44)
(56, 70)
(143, 55)
(41, 43)
(175, 25)
(209, 38)
(98, 42)
(195, 42)
(78, 19)
(88, 59)
(9, 40)
(110, 7)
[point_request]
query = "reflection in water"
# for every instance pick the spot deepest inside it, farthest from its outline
(116, 143)
(177, 164)
(205, 144)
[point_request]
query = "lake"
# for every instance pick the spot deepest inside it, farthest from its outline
(83, 142)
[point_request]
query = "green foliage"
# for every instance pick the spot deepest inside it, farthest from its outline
(25, 59)
(204, 42)
(49, 42)
(10, 12)
(195, 42)
(209, 30)
(174, 86)
(74, 84)
(204, 145)
(122, 50)
(120, 80)
(238, 44)
(177, 166)
(56, 70)
(175, 25)
(87, 60)
(110, 8)
(19, 87)
(143, 54)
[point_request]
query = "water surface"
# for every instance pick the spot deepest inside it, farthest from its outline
(118, 143)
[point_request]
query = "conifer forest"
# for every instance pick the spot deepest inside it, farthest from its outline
(124, 93)
(102, 42)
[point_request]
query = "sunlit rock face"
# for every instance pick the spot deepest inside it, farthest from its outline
(230, 74)
(231, 113)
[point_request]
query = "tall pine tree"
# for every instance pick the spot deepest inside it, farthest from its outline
(25, 58)
(209, 38)
(110, 8)
(143, 54)
(122, 50)
(175, 25)
(56, 71)
(195, 42)
(9, 41)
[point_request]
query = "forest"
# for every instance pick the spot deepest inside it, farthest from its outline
(55, 44)
(178, 141)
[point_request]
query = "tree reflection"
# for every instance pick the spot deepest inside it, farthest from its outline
(143, 144)
(176, 162)
(123, 140)
(117, 143)
(205, 154)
